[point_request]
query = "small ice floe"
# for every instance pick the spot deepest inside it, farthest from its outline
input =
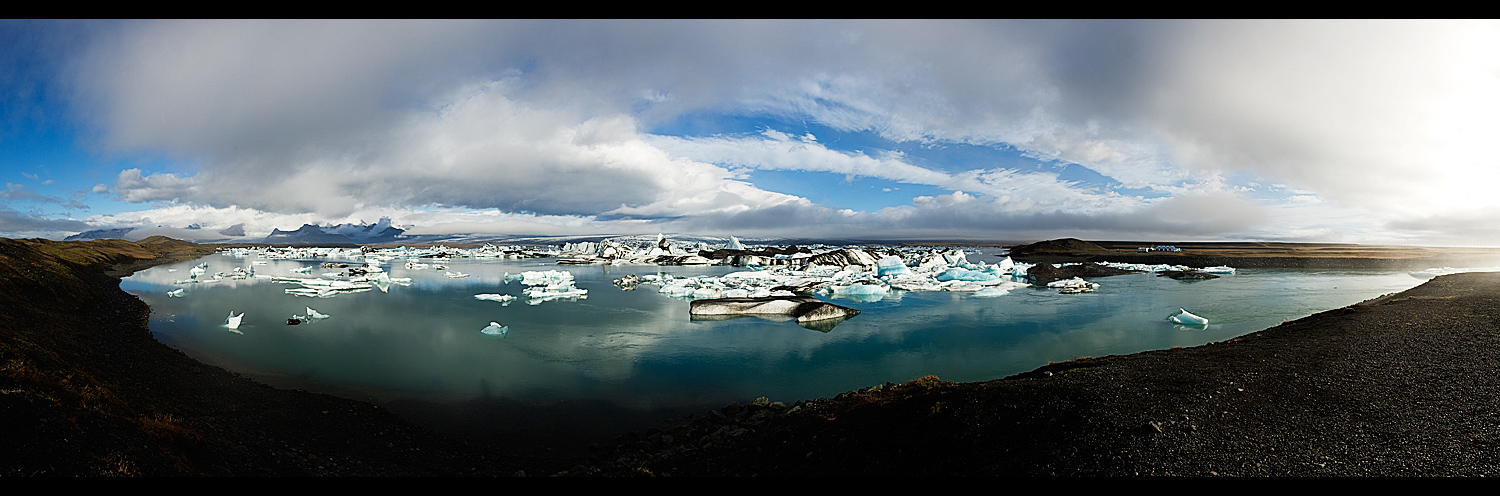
(1073, 286)
(1217, 270)
(303, 270)
(495, 329)
(176, 293)
(455, 275)
(233, 322)
(538, 294)
(504, 299)
(314, 314)
(1183, 317)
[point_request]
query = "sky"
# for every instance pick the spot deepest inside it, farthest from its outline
(1003, 131)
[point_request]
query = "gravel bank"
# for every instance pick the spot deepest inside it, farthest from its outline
(1400, 385)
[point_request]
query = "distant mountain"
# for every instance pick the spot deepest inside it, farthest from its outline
(379, 232)
(236, 230)
(116, 233)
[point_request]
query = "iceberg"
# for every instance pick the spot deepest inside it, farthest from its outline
(495, 329)
(176, 293)
(540, 277)
(1073, 286)
(801, 308)
(961, 274)
(891, 265)
(233, 322)
(1185, 318)
(859, 289)
(313, 314)
(502, 298)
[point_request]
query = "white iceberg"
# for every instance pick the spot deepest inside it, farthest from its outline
(176, 293)
(233, 322)
(859, 289)
(313, 314)
(495, 329)
(891, 265)
(962, 274)
(502, 298)
(1185, 318)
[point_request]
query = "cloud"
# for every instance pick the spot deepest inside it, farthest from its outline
(16, 224)
(19, 192)
(134, 186)
(1390, 119)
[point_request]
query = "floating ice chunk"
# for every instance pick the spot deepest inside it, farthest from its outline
(495, 329)
(541, 277)
(176, 293)
(313, 314)
(1073, 286)
(455, 275)
(502, 298)
(1217, 270)
(537, 294)
(892, 266)
(1183, 317)
(1006, 265)
(961, 274)
(233, 322)
(860, 289)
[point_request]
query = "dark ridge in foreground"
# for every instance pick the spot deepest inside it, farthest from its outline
(1400, 385)
(86, 390)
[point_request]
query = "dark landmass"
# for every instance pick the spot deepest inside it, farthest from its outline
(1258, 254)
(1044, 273)
(1185, 275)
(1399, 385)
(86, 390)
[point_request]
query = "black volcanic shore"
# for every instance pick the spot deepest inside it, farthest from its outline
(86, 391)
(1400, 385)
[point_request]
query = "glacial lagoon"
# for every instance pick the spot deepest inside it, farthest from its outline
(640, 350)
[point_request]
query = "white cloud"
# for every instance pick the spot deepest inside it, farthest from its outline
(133, 186)
(1387, 119)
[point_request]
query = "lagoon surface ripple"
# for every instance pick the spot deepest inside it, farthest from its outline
(639, 349)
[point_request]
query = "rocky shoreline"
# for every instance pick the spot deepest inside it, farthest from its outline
(1399, 385)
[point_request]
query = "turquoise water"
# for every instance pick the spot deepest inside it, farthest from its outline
(639, 350)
